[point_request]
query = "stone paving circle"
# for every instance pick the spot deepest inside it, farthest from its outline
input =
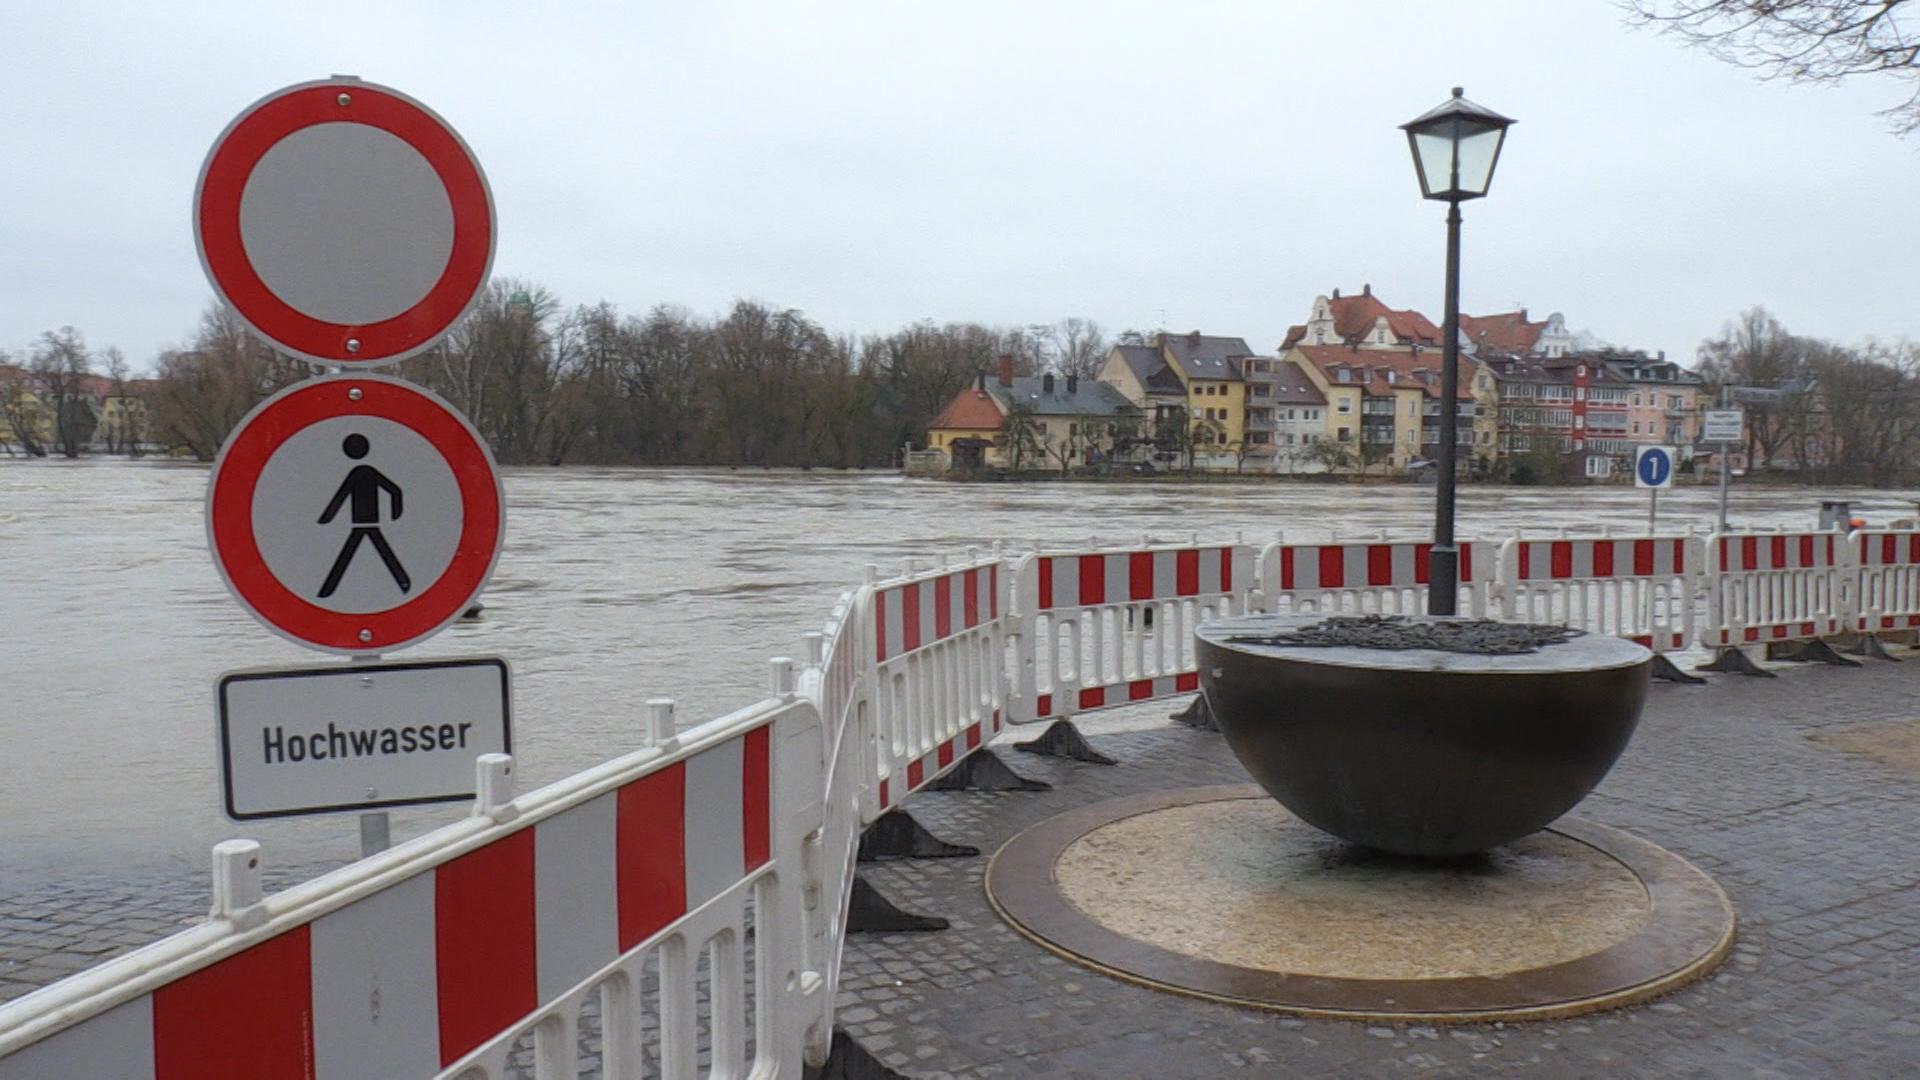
(1218, 892)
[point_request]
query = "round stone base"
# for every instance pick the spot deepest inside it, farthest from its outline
(1219, 892)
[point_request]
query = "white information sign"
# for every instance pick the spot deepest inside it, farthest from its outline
(1724, 426)
(358, 737)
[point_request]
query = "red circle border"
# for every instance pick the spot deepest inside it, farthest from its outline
(230, 494)
(223, 180)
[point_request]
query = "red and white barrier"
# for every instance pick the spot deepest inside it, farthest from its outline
(1776, 587)
(938, 676)
(1888, 596)
(434, 958)
(1366, 578)
(1641, 589)
(1108, 628)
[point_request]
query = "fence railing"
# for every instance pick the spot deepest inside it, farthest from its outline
(690, 898)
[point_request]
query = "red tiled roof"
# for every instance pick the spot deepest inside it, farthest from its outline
(1371, 365)
(970, 409)
(1507, 332)
(1354, 316)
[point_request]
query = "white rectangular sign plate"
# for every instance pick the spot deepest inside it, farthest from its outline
(1724, 425)
(357, 737)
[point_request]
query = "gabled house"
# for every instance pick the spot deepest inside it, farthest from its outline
(1198, 373)
(1383, 406)
(1034, 422)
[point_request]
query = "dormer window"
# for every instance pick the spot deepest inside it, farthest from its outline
(1343, 375)
(1390, 376)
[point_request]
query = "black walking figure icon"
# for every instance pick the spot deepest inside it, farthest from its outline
(363, 485)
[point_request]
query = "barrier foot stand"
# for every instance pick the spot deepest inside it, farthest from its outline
(848, 1060)
(1062, 739)
(1819, 652)
(898, 836)
(868, 912)
(983, 770)
(1666, 671)
(1871, 645)
(1197, 715)
(1735, 662)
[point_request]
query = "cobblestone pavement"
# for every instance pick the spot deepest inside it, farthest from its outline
(1818, 849)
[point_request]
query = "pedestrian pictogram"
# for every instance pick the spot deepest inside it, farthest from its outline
(363, 487)
(355, 513)
(345, 222)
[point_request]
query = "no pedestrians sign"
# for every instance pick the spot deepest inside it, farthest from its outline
(355, 514)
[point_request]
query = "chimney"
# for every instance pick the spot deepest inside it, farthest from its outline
(1523, 314)
(1193, 339)
(1336, 292)
(1663, 356)
(1006, 369)
(1073, 384)
(1366, 288)
(1046, 383)
(980, 383)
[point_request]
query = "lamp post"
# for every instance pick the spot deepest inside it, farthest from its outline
(1455, 147)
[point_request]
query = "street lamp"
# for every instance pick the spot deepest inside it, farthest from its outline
(1455, 147)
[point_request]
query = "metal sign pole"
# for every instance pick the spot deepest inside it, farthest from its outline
(1726, 460)
(376, 828)
(1653, 509)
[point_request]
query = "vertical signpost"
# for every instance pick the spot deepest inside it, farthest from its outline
(1726, 427)
(353, 513)
(1653, 470)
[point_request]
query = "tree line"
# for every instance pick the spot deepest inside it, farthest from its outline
(1826, 411)
(548, 384)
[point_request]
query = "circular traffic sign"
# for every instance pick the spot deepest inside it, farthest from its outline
(1654, 467)
(345, 222)
(355, 513)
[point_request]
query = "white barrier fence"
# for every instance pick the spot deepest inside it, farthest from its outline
(643, 885)
(1777, 587)
(1641, 589)
(715, 865)
(1102, 629)
(936, 677)
(1381, 578)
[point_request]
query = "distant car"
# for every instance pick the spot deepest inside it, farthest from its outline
(1143, 468)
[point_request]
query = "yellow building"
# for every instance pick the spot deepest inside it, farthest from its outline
(1043, 422)
(1199, 373)
(1383, 405)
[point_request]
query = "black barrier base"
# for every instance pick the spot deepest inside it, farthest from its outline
(898, 836)
(1062, 739)
(1735, 662)
(1870, 645)
(1818, 652)
(868, 912)
(848, 1060)
(1665, 670)
(1197, 715)
(983, 770)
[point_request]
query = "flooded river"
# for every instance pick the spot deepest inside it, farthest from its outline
(615, 586)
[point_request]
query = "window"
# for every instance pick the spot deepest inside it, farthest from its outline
(1635, 401)
(1346, 434)
(1346, 405)
(1344, 375)
(1636, 427)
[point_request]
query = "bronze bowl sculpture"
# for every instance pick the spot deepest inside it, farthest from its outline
(1427, 736)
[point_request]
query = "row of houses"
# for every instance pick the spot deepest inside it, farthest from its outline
(1354, 388)
(42, 414)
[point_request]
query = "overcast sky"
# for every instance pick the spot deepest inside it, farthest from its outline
(873, 164)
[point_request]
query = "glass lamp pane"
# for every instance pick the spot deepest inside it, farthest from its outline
(1477, 153)
(1433, 154)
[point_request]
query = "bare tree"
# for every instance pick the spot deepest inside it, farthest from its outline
(1755, 350)
(204, 389)
(1818, 41)
(1019, 436)
(60, 364)
(1079, 348)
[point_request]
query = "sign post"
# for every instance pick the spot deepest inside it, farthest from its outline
(1653, 470)
(1725, 426)
(349, 225)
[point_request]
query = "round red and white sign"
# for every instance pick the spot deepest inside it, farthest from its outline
(355, 513)
(345, 222)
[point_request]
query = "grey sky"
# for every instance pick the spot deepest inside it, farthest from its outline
(878, 163)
